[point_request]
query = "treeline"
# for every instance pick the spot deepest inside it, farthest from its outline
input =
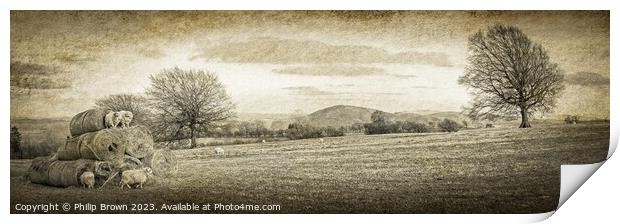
(30, 146)
(258, 129)
(302, 131)
(382, 125)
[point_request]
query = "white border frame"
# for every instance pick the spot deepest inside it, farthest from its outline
(603, 182)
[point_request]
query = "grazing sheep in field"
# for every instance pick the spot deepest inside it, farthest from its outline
(571, 119)
(135, 177)
(263, 141)
(125, 118)
(489, 125)
(321, 140)
(112, 120)
(219, 151)
(88, 180)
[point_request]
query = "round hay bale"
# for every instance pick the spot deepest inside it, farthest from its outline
(103, 145)
(163, 162)
(70, 150)
(67, 173)
(139, 141)
(88, 121)
(38, 170)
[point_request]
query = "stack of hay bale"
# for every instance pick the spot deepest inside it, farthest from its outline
(103, 151)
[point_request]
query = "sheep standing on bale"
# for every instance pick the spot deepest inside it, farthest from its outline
(135, 177)
(125, 118)
(219, 151)
(88, 180)
(112, 120)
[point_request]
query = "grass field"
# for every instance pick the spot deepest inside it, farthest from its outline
(497, 170)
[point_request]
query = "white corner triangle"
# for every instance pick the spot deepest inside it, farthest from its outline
(573, 176)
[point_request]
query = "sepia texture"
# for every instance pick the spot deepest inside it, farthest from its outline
(305, 111)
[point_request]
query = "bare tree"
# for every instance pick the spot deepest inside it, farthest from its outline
(510, 74)
(187, 103)
(137, 104)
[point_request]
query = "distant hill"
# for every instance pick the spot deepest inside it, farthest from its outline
(344, 115)
(339, 116)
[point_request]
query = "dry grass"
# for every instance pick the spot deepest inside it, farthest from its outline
(498, 170)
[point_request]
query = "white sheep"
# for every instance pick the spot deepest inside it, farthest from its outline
(219, 151)
(135, 177)
(321, 140)
(264, 141)
(112, 120)
(88, 180)
(125, 118)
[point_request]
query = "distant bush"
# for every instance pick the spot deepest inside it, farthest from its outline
(448, 125)
(414, 127)
(303, 131)
(383, 127)
(377, 128)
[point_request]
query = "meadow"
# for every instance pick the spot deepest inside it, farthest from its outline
(488, 170)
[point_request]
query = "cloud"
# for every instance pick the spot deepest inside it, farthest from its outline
(314, 92)
(37, 76)
(329, 70)
(288, 51)
(71, 57)
(587, 79)
(151, 52)
(422, 87)
(308, 91)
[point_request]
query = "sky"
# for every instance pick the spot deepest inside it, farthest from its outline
(290, 61)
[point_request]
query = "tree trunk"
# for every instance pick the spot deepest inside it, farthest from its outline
(192, 136)
(525, 122)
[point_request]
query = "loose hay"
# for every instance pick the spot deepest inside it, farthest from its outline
(88, 121)
(103, 145)
(163, 162)
(139, 141)
(130, 163)
(104, 168)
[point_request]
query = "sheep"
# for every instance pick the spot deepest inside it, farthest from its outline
(570, 119)
(135, 177)
(489, 125)
(321, 140)
(112, 120)
(219, 151)
(88, 180)
(125, 118)
(263, 141)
